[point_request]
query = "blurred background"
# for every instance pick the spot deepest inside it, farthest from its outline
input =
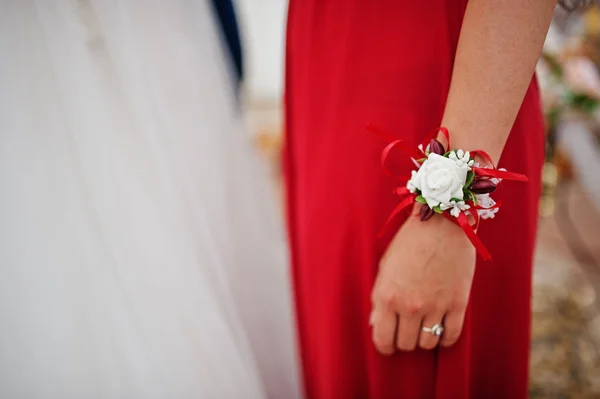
(565, 357)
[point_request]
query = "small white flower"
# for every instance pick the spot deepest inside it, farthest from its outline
(462, 159)
(456, 207)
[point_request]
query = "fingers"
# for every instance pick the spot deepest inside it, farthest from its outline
(398, 323)
(384, 330)
(408, 332)
(391, 331)
(453, 323)
(427, 340)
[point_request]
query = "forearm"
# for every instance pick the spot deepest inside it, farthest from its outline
(500, 43)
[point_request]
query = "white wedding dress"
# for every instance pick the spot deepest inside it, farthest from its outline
(141, 253)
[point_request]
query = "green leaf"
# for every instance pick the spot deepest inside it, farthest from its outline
(473, 198)
(420, 199)
(437, 209)
(421, 160)
(470, 178)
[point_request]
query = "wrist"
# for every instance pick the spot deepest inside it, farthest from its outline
(469, 140)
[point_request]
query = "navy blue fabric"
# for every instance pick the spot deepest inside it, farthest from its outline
(225, 12)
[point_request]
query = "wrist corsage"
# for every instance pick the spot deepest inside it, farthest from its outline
(453, 183)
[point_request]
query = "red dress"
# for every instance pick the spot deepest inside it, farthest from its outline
(389, 62)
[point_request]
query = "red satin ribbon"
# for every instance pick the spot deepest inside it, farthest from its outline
(413, 154)
(500, 174)
(408, 199)
(463, 222)
(485, 156)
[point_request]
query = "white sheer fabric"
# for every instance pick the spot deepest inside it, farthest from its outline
(141, 255)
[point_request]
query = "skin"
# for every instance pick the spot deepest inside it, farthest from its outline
(421, 284)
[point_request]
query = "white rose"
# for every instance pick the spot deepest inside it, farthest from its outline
(440, 179)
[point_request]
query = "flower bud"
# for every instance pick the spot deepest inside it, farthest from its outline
(482, 187)
(426, 212)
(436, 147)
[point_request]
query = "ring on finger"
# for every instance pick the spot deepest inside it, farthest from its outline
(436, 330)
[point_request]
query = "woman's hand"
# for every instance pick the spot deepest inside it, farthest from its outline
(424, 279)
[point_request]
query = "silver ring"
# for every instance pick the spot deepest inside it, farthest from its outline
(436, 330)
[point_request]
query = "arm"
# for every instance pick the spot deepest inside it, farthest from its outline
(426, 273)
(499, 46)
